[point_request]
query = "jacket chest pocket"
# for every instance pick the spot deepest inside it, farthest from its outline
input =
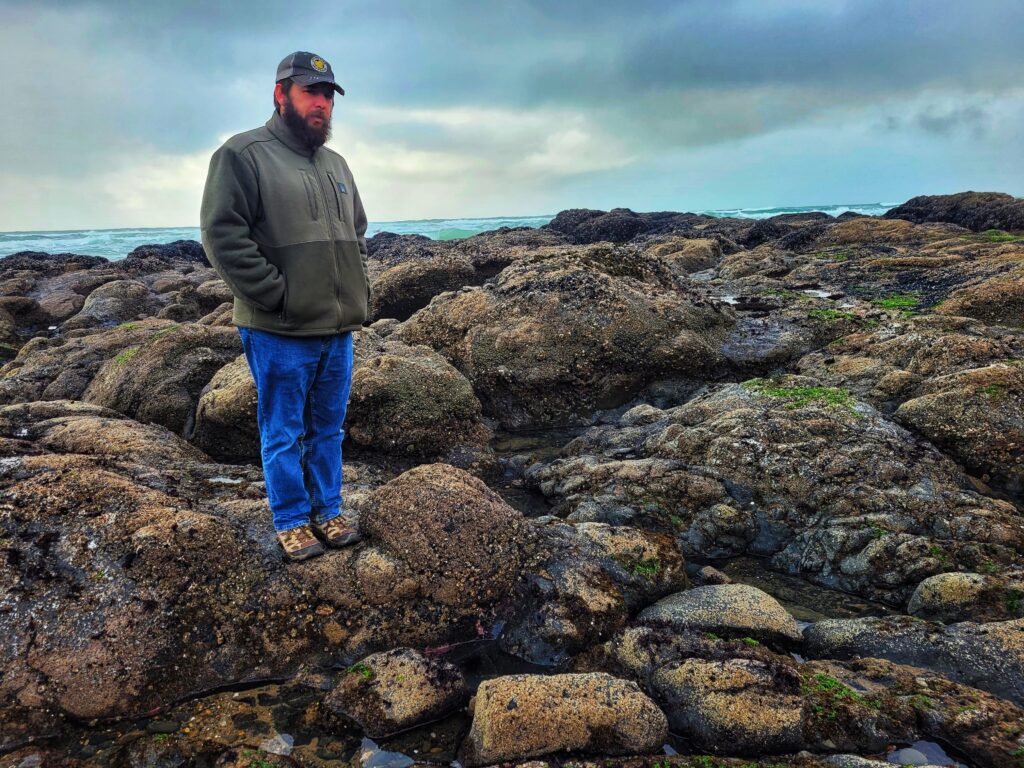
(311, 195)
(340, 195)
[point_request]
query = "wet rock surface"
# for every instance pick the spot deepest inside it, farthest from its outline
(974, 210)
(727, 609)
(524, 716)
(958, 596)
(754, 468)
(559, 335)
(395, 690)
(607, 469)
(584, 580)
(404, 401)
(988, 656)
(464, 545)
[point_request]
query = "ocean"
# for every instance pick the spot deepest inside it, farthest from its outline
(117, 243)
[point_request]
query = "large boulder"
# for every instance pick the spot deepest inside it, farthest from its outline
(461, 540)
(977, 416)
(522, 716)
(402, 289)
(617, 225)
(686, 255)
(727, 610)
(411, 401)
(582, 225)
(895, 360)
(153, 257)
(160, 381)
(408, 270)
(586, 581)
(49, 264)
(882, 231)
(69, 426)
(980, 597)
(63, 295)
(737, 706)
(225, 422)
(557, 336)
(977, 211)
(61, 368)
(112, 303)
(998, 300)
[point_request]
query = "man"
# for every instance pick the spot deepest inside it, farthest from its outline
(283, 225)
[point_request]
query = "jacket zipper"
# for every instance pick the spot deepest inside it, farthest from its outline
(334, 242)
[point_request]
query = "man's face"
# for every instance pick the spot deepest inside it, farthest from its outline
(306, 109)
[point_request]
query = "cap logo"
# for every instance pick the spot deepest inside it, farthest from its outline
(318, 64)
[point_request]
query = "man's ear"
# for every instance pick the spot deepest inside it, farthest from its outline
(279, 96)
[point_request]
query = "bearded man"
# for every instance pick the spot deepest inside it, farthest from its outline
(283, 225)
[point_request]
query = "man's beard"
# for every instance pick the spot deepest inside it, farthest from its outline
(307, 134)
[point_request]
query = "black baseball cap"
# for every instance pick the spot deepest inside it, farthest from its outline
(307, 68)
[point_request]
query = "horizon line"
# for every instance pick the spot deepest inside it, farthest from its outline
(454, 218)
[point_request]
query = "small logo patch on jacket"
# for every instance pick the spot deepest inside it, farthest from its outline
(342, 188)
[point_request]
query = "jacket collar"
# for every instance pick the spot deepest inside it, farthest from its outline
(283, 133)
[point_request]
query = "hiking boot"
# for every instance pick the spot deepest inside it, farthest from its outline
(299, 543)
(339, 531)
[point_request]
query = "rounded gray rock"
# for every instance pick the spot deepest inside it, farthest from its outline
(728, 609)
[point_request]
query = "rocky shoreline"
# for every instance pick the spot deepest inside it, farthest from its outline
(560, 443)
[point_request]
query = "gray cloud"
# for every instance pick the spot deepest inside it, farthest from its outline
(970, 118)
(101, 86)
(183, 70)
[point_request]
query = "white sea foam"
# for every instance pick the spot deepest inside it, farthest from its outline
(117, 243)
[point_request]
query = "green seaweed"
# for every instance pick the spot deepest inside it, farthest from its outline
(920, 702)
(126, 355)
(800, 396)
(164, 331)
(835, 693)
(938, 553)
(638, 567)
(361, 669)
(996, 391)
(993, 236)
(897, 301)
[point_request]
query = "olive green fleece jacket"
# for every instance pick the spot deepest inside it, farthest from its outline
(284, 227)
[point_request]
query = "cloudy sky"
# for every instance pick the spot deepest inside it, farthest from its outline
(517, 107)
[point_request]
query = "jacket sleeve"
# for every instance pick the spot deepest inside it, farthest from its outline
(360, 222)
(230, 202)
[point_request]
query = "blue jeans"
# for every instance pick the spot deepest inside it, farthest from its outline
(302, 383)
